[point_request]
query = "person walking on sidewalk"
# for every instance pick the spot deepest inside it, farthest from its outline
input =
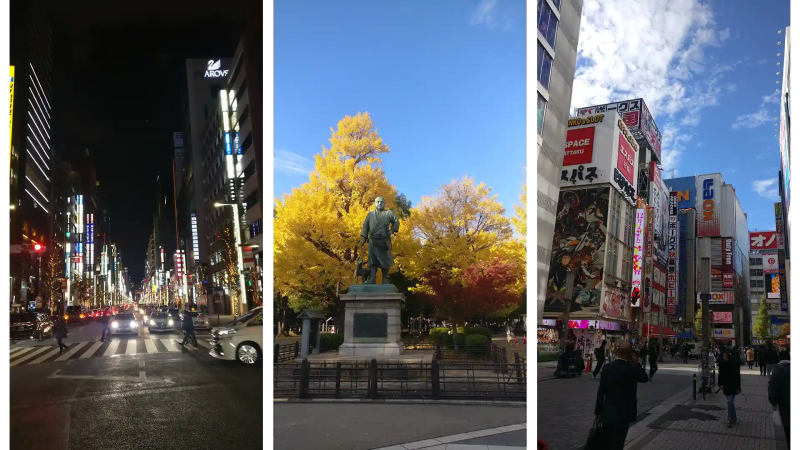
(751, 357)
(761, 358)
(772, 358)
(730, 381)
(61, 334)
(778, 394)
(653, 359)
(685, 351)
(783, 355)
(616, 404)
(643, 352)
(600, 356)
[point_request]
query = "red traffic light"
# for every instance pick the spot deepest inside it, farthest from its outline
(37, 247)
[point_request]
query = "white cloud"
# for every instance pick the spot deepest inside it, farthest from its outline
(660, 57)
(489, 13)
(767, 188)
(760, 117)
(292, 163)
(762, 61)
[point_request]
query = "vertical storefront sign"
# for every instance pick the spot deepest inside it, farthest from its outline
(672, 254)
(727, 263)
(708, 205)
(779, 224)
(638, 260)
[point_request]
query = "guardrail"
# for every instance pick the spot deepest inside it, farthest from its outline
(286, 353)
(373, 380)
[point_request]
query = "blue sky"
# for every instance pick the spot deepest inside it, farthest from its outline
(707, 70)
(444, 83)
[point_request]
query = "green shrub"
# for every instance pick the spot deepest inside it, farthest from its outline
(442, 335)
(479, 330)
(461, 340)
(477, 344)
(547, 357)
(330, 341)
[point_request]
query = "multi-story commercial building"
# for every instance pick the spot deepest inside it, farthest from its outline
(31, 141)
(785, 173)
(557, 48)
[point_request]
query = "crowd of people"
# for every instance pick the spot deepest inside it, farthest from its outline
(616, 403)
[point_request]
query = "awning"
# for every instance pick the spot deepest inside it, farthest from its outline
(655, 330)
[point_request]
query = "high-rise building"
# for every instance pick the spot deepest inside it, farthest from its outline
(557, 49)
(785, 177)
(31, 50)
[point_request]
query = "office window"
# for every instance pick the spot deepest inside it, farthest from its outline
(541, 108)
(548, 23)
(545, 62)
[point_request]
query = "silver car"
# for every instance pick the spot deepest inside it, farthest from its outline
(199, 320)
(160, 321)
(124, 323)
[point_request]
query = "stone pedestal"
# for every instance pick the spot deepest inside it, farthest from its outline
(372, 321)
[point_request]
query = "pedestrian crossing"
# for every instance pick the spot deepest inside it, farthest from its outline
(98, 349)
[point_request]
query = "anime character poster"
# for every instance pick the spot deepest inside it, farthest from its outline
(579, 246)
(616, 304)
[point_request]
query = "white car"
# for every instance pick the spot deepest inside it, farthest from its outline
(124, 323)
(199, 320)
(241, 340)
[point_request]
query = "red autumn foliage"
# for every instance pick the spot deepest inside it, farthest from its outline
(482, 288)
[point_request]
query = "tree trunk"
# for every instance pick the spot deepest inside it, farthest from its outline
(455, 331)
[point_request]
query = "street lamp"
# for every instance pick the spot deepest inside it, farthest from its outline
(239, 258)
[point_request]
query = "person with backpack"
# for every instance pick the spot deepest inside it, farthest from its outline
(600, 356)
(730, 381)
(616, 404)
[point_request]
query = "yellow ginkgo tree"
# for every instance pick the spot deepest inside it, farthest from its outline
(317, 227)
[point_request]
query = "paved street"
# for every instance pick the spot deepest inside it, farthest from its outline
(391, 426)
(668, 417)
(131, 392)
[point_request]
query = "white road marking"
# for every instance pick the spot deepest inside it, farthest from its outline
(91, 350)
(151, 346)
(130, 349)
(22, 351)
(30, 355)
(45, 357)
(112, 348)
(171, 345)
(71, 352)
(204, 344)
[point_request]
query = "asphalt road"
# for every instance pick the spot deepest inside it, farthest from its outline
(132, 392)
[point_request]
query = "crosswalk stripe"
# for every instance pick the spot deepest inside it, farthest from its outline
(39, 350)
(92, 349)
(45, 357)
(130, 349)
(71, 351)
(151, 346)
(170, 344)
(204, 344)
(112, 348)
(22, 351)
(17, 350)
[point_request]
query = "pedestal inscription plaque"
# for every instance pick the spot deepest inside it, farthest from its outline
(370, 325)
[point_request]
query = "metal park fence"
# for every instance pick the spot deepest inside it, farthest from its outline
(454, 378)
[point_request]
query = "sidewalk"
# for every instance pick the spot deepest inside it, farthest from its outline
(387, 426)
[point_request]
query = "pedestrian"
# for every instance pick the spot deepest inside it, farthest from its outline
(567, 361)
(600, 356)
(751, 357)
(616, 404)
(188, 330)
(685, 352)
(730, 381)
(784, 354)
(580, 364)
(653, 359)
(509, 335)
(771, 358)
(643, 353)
(761, 357)
(778, 394)
(106, 321)
(61, 334)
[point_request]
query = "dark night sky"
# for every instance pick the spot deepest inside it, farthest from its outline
(118, 75)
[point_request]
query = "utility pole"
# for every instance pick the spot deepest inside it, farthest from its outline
(705, 296)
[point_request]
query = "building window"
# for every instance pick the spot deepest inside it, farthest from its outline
(545, 62)
(548, 23)
(541, 108)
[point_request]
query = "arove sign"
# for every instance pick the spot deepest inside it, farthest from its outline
(213, 69)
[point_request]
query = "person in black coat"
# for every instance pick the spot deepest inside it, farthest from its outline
(778, 394)
(783, 355)
(772, 358)
(616, 405)
(761, 357)
(653, 357)
(730, 381)
(61, 334)
(188, 329)
(685, 351)
(600, 356)
(106, 321)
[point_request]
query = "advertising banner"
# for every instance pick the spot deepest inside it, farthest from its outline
(716, 264)
(770, 261)
(579, 146)
(723, 316)
(638, 262)
(772, 285)
(626, 158)
(719, 298)
(776, 322)
(11, 108)
(579, 246)
(708, 205)
(724, 333)
(780, 233)
(643, 187)
(727, 263)
(763, 240)
(672, 254)
(637, 118)
(783, 288)
(648, 236)
(647, 286)
(616, 304)
(685, 188)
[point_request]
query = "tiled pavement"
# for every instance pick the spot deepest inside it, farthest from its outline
(668, 417)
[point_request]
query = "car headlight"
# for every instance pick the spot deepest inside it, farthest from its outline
(145, 318)
(114, 324)
(153, 322)
(134, 324)
(170, 322)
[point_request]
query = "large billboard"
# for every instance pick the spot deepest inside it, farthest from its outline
(770, 262)
(616, 304)
(727, 263)
(776, 322)
(638, 119)
(685, 188)
(579, 246)
(673, 247)
(772, 286)
(638, 252)
(708, 204)
(723, 316)
(11, 108)
(606, 154)
(719, 298)
(763, 240)
(779, 226)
